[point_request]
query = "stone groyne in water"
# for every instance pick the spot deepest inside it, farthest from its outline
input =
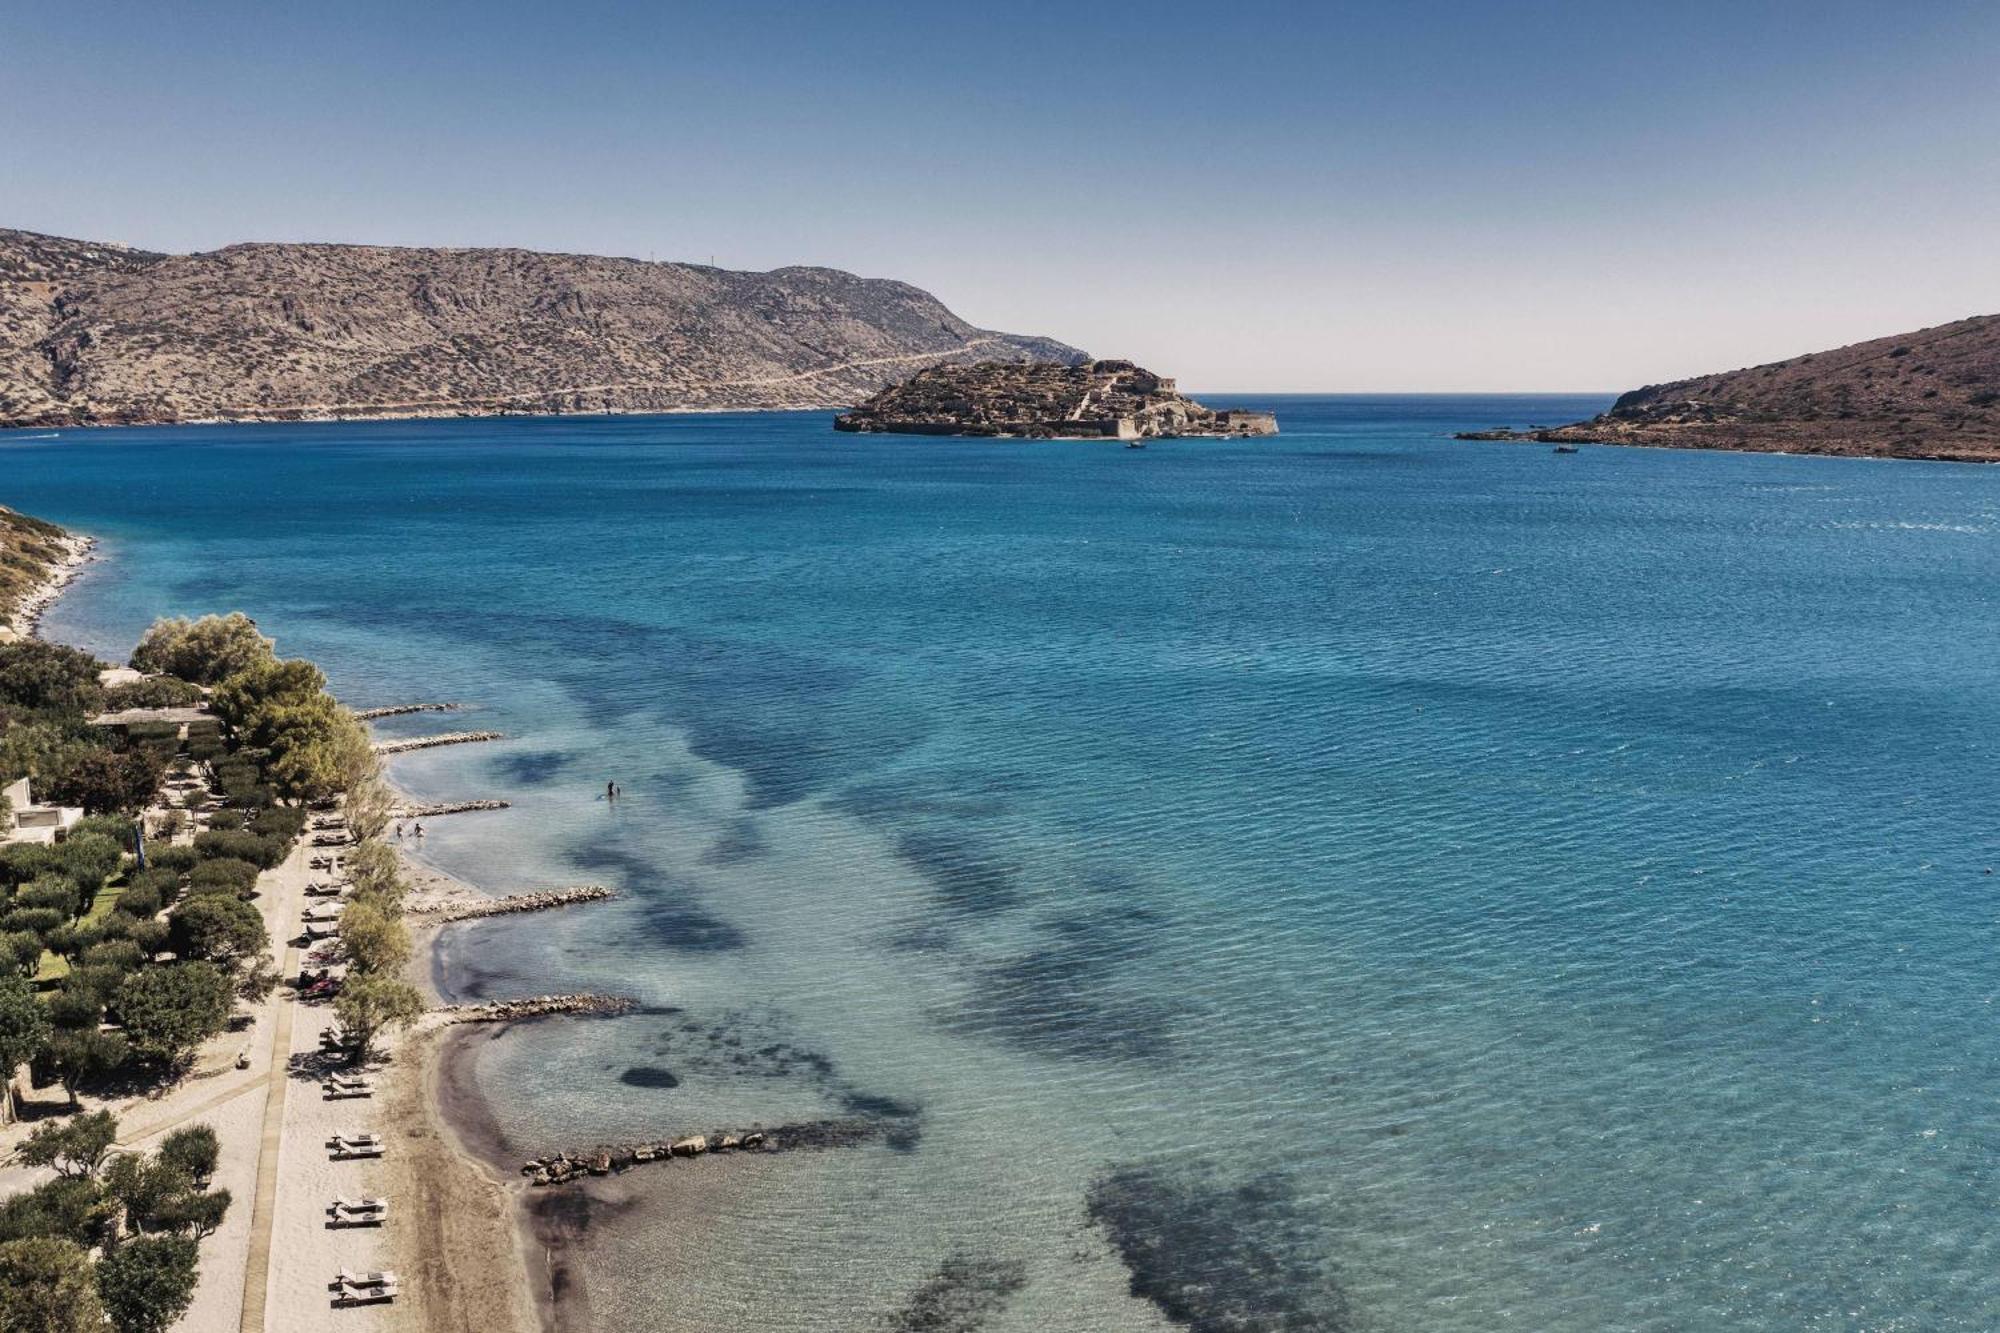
(447, 808)
(403, 710)
(540, 901)
(431, 742)
(534, 1006)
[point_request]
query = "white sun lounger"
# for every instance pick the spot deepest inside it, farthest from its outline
(347, 1279)
(344, 1296)
(354, 1145)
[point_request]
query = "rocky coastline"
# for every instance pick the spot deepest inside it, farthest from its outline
(49, 557)
(1932, 395)
(97, 334)
(1092, 401)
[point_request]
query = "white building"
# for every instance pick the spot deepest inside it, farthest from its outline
(28, 822)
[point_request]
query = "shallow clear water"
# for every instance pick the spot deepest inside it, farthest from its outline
(1351, 881)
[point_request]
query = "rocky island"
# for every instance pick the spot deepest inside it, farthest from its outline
(1046, 401)
(1931, 394)
(99, 334)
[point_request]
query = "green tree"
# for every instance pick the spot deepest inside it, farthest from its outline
(373, 941)
(20, 955)
(216, 928)
(146, 1285)
(83, 1055)
(106, 781)
(369, 805)
(223, 875)
(56, 891)
(368, 1005)
(143, 1186)
(24, 1031)
(48, 677)
(205, 651)
(193, 1149)
(194, 1213)
(169, 1010)
(47, 1286)
(68, 1207)
(89, 859)
(75, 1147)
(376, 871)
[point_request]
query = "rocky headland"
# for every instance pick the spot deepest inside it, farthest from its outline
(97, 334)
(37, 560)
(1044, 401)
(1931, 394)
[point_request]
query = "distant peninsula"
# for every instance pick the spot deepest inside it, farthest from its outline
(1046, 401)
(1931, 394)
(99, 334)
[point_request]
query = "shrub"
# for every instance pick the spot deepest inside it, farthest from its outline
(139, 900)
(283, 822)
(89, 859)
(39, 676)
(153, 692)
(262, 852)
(57, 892)
(226, 875)
(118, 828)
(22, 862)
(176, 858)
(225, 821)
(36, 921)
(121, 954)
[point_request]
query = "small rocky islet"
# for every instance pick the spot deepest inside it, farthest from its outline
(1090, 400)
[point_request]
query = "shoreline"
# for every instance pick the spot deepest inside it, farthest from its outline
(25, 622)
(465, 1248)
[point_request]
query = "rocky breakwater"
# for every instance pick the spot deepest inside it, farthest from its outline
(1043, 401)
(535, 1006)
(448, 808)
(404, 710)
(431, 742)
(515, 902)
(560, 1168)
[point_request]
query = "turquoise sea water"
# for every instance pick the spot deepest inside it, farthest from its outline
(1354, 881)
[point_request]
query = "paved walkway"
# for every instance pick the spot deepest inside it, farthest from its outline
(277, 1080)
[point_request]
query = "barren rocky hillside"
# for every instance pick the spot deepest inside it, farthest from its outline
(1934, 393)
(93, 334)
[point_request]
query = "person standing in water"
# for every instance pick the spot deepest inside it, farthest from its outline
(610, 791)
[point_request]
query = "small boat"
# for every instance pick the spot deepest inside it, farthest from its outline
(1135, 444)
(1565, 449)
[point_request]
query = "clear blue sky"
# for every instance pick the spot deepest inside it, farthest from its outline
(1382, 196)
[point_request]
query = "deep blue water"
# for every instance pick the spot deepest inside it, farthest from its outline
(1350, 881)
